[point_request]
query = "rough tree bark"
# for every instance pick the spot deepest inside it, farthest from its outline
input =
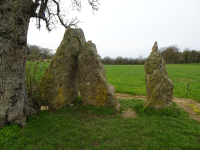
(14, 103)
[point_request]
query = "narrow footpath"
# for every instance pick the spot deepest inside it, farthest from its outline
(192, 107)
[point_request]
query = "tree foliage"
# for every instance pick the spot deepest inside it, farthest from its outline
(185, 55)
(35, 52)
(170, 54)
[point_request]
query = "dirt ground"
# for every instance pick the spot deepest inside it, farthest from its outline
(192, 107)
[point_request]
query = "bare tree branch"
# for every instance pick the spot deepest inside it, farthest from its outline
(76, 4)
(92, 3)
(43, 6)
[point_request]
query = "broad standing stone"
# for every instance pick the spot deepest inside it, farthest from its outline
(59, 85)
(93, 85)
(159, 87)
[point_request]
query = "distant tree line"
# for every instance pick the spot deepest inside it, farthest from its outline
(37, 53)
(123, 61)
(171, 55)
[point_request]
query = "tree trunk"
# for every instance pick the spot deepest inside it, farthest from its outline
(14, 103)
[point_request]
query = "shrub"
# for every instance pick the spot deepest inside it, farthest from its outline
(41, 60)
(48, 60)
(33, 75)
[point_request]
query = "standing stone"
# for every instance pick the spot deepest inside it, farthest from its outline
(59, 85)
(159, 87)
(93, 85)
(76, 63)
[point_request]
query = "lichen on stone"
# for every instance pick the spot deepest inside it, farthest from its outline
(76, 66)
(159, 87)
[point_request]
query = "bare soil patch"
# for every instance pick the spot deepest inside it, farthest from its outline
(188, 105)
(192, 107)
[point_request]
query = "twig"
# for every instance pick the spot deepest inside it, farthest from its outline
(187, 89)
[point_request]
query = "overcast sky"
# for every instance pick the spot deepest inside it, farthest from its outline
(128, 28)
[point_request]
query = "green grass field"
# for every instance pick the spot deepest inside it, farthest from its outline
(131, 79)
(75, 128)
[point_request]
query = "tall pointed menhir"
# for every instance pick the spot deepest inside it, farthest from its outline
(155, 47)
(159, 87)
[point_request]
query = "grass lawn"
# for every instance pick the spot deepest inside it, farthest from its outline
(131, 79)
(86, 128)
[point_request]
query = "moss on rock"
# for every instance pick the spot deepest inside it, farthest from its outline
(159, 87)
(93, 84)
(59, 85)
(75, 65)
